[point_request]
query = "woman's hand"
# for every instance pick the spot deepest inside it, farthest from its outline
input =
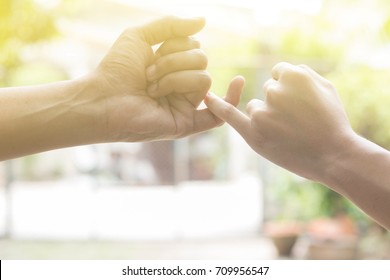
(301, 125)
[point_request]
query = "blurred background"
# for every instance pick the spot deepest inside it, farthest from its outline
(207, 196)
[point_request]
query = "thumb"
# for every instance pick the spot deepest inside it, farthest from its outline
(228, 113)
(169, 27)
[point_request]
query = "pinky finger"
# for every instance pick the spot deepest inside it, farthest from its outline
(234, 91)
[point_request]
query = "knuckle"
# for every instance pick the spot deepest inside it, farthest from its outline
(301, 71)
(304, 66)
(196, 59)
(297, 74)
(279, 68)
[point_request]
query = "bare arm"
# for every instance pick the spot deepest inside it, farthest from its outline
(40, 118)
(362, 175)
(135, 94)
(302, 126)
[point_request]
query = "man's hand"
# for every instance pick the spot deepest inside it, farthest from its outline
(135, 94)
(146, 95)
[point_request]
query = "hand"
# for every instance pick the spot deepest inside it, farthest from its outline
(152, 96)
(301, 125)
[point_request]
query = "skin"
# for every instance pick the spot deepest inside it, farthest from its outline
(302, 126)
(135, 94)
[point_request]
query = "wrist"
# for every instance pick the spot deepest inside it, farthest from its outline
(361, 175)
(340, 159)
(88, 103)
(350, 167)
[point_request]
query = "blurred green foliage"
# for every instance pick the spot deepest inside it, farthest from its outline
(312, 43)
(242, 57)
(22, 22)
(292, 198)
(366, 97)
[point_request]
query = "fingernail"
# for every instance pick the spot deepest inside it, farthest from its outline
(151, 72)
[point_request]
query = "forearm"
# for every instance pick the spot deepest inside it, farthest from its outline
(40, 118)
(362, 174)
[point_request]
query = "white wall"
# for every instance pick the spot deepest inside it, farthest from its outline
(80, 210)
